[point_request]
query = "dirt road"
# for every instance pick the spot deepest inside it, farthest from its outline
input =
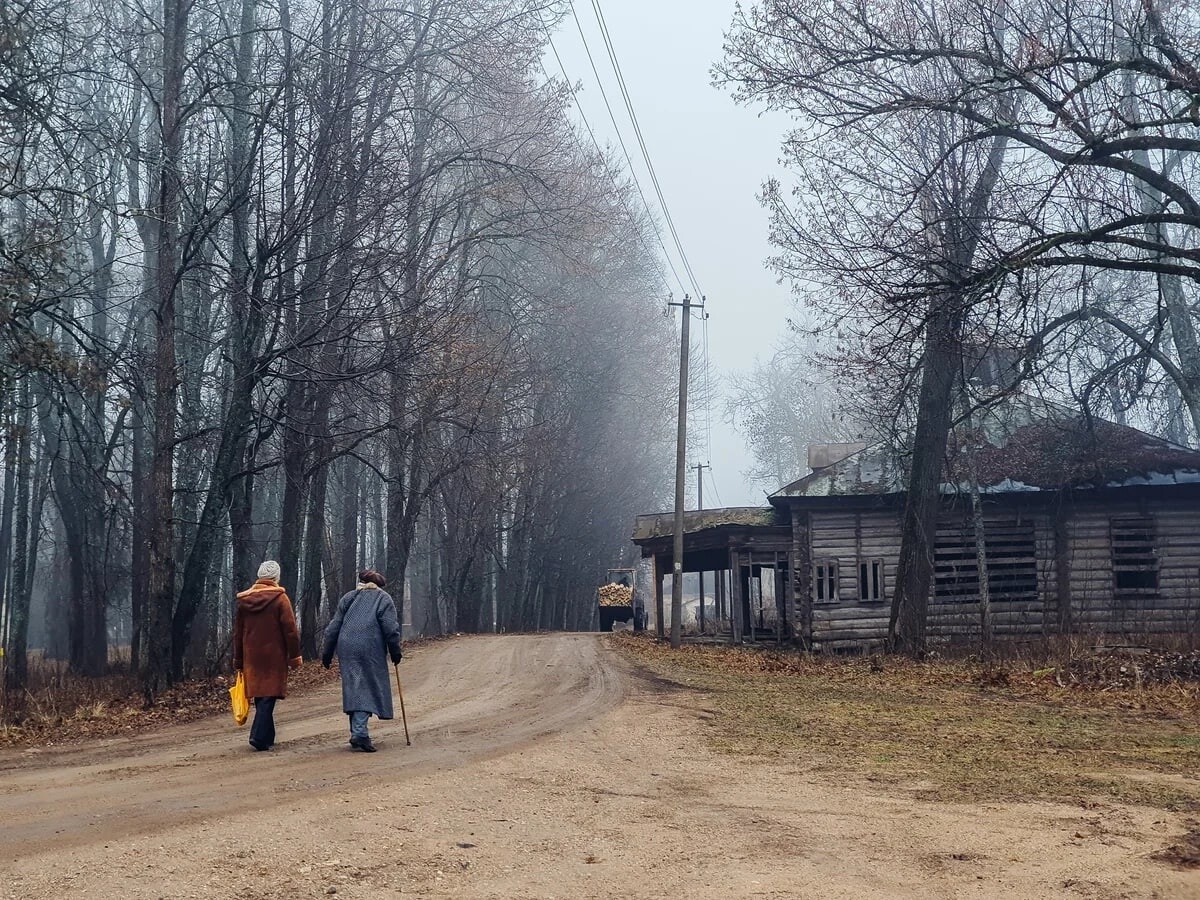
(540, 767)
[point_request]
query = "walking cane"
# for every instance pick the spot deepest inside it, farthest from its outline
(403, 714)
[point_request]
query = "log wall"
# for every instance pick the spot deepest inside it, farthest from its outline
(1070, 547)
(848, 537)
(1096, 603)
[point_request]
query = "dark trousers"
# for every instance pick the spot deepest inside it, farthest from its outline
(262, 730)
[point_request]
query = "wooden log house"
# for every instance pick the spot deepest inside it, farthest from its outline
(1087, 527)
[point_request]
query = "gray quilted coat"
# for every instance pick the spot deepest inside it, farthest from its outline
(364, 632)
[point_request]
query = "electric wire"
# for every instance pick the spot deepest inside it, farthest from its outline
(621, 140)
(713, 482)
(667, 217)
(637, 128)
(614, 61)
(613, 175)
(708, 395)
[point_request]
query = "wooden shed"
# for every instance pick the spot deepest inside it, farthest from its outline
(1087, 526)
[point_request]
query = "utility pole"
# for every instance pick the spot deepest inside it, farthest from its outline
(680, 474)
(700, 467)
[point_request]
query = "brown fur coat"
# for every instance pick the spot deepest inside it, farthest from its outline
(265, 639)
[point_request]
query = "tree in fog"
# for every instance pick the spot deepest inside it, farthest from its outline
(782, 405)
(965, 171)
(315, 280)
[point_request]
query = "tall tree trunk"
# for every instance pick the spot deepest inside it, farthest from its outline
(1179, 314)
(348, 557)
(246, 548)
(156, 670)
(955, 221)
(16, 672)
(914, 573)
(140, 399)
(314, 544)
(139, 583)
(6, 514)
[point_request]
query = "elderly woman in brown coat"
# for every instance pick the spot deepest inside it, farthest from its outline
(266, 644)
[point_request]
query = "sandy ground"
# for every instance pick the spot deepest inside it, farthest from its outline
(540, 767)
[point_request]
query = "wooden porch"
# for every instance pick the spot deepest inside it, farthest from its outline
(736, 553)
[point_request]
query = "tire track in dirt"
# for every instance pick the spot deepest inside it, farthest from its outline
(468, 699)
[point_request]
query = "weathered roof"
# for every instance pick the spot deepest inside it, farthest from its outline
(657, 525)
(874, 470)
(1024, 444)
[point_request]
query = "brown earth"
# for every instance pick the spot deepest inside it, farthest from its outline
(541, 766)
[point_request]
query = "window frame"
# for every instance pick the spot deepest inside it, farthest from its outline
(1014, 573)
(872, 580)
(827, 580)
(1128, 536)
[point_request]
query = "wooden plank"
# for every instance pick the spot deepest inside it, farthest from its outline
(867, 614)
(781, 619)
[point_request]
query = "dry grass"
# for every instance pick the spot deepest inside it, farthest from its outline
(953, 729)
(61, 708)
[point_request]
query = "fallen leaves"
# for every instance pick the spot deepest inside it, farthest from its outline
(73, 713)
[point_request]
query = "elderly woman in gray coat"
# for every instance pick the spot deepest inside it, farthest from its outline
(364, 632)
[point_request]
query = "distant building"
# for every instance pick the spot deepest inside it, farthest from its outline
(1088, 526)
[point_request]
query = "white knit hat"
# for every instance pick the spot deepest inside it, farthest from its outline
(269, 569)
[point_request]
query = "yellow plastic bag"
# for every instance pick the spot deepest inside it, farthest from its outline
(237, 697)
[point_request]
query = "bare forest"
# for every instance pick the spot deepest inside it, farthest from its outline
(328, 281)
(988, 198)
(345, 284)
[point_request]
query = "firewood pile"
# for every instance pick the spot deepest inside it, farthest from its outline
(616, 595)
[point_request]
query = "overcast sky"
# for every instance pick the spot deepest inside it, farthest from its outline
(712, 157)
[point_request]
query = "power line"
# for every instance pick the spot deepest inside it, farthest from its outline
(667, 217)
(637, 128)
(712, 481)
(620, 140)
(611, 174)
(708, 395)
(606, 35)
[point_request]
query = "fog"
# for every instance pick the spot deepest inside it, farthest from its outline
(711, 156)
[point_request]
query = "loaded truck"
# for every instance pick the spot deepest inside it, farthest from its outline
(619, 602)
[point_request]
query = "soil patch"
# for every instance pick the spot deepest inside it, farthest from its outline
(1185, 853)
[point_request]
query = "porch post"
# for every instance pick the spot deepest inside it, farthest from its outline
(781, 619)
(735, 595)
(658, 598)
(1062, 568)
(746, 596)
(719, 596)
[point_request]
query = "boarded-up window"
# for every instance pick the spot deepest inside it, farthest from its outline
(871, 581)
(1011, 562)
(955, 572)
(825, 580)
(1134, 562)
